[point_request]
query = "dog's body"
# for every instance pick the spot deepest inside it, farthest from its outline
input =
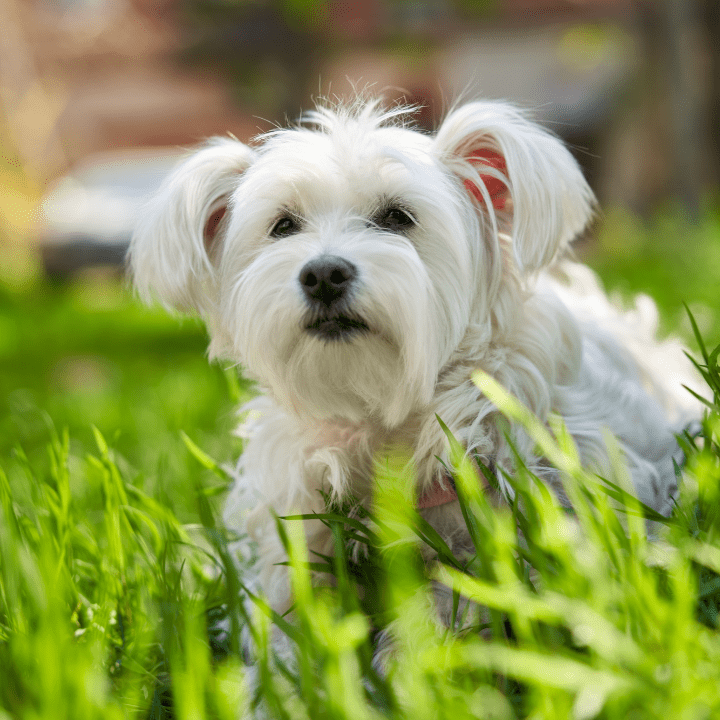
(361, 271)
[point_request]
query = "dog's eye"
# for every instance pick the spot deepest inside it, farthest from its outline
(395, 220)
(285, 226)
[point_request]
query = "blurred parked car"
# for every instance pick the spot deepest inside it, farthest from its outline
(89, 214)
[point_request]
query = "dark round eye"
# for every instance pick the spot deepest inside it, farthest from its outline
(395, 220)
(285, 226)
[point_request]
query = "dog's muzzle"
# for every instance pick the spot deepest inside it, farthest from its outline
(326, 282)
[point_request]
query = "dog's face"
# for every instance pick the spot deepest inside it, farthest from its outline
(343, 265)
(345, 269)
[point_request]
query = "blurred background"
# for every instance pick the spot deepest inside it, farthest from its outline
(98, 97)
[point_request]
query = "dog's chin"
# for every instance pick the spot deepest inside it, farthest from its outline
(343, 367)
(338, 328)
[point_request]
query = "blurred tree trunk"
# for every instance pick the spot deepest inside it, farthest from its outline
(711, 23)
(688, 101)
(677, 46)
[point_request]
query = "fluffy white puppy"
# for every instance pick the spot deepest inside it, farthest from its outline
(361, 271)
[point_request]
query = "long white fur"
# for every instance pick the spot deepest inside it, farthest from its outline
(469, 287)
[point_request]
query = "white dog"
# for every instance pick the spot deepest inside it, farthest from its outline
(361, 271)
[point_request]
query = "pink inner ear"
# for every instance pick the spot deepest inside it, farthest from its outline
(496, 188)
(211, 225)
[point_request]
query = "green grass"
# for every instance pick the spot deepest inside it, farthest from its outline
(670, 258)
(86, 354)
(114, 570)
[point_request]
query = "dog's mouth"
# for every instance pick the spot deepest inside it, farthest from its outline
(336, 327)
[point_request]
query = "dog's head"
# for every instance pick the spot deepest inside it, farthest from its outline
(344, 261)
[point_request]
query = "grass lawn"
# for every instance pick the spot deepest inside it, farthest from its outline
(113, 573)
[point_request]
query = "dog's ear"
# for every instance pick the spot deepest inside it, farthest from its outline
(176, 238)
(519, 175)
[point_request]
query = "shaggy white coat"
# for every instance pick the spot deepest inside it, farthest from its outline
(472, 283)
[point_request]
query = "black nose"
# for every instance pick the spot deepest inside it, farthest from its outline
(326, 279)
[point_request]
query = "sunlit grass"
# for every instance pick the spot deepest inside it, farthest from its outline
(673, 259)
